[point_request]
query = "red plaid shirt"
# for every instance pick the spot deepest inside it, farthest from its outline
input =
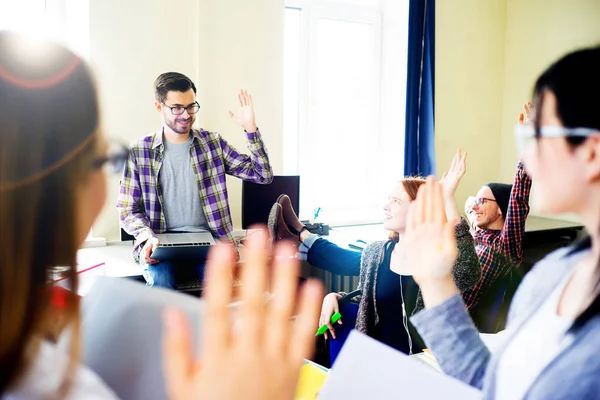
(500, 251)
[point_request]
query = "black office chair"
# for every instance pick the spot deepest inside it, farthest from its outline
(491, 313)
(126, 236)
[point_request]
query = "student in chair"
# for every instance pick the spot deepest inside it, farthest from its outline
(389, 293)
(554, 320)
(498, 214)
(174, 180)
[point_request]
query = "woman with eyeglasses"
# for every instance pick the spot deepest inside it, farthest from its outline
(52, 188)
(554, 320)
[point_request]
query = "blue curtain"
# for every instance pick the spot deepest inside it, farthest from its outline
(419, 147)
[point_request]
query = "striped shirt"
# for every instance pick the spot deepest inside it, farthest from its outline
(500, 251)
(140, 197)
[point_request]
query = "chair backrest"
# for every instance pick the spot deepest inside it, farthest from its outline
(126, 236)
(490, 313)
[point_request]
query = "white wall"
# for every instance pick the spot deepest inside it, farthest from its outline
(242, 47)
(469, 68)
(538, 32)
(488, 55)
(222, 45)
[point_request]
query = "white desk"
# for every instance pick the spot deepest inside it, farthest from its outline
(118, 260)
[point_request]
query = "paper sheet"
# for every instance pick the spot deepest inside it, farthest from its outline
(367, 369)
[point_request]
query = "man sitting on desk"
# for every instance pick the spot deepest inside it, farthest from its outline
(175, 177)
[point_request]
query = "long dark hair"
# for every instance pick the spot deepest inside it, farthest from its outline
(48, 122)
(575, 82)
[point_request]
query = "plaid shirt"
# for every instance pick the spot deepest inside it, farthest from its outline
(500, 251)
(140, 198)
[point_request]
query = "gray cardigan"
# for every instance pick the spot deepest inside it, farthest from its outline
(449, 332)
(466, 273)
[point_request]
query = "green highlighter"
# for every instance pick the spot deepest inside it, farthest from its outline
(334, 318)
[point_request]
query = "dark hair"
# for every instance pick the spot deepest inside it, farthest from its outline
(48, 125)
(575, 82)
(171, 81)
(411, 185)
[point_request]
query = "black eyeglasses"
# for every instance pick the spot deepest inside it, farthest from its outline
(115, 159)
(178, 110)
(481, 201)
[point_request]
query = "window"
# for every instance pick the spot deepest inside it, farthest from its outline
(66, 21)
(344, 96)
(15, 15)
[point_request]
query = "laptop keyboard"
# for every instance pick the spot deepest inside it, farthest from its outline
(190, 284)
(185, 244)
(193, 284)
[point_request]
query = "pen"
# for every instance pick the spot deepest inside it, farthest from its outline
(317, 211)
(334, 318)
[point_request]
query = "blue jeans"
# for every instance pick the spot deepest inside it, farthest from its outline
(330, 257)
(168, 274)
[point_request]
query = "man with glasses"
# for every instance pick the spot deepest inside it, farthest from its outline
(497, 215)
(174, 180)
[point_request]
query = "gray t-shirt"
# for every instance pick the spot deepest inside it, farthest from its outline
(181, 197)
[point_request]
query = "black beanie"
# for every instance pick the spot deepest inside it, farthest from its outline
(501, 192)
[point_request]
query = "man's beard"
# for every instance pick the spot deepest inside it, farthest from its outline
(181, 131)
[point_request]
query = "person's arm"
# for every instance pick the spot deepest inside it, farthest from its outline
(450, 181)
(467, 268)
(511, 236)
(445, 326)
(129, 203)
(255, 167)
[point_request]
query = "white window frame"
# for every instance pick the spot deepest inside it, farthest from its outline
(296, 148)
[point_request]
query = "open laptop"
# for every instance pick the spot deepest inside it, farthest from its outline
(183, 246)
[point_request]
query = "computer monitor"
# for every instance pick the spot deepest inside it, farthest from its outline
(258, 199)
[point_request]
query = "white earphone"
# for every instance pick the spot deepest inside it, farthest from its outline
(405, 319)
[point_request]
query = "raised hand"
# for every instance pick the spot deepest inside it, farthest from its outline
(429, 243)
(526, 116)
(262, 356)
(245, 115)
(457, 170)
